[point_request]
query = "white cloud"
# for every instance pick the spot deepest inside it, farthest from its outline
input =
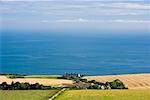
(137, 6)
(103, 21)
(131, 21)
(132, 6)
(92, 14)
(72, 20)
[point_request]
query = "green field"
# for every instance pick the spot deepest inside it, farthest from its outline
(76, 95)
(34, 76)
(26, 94)
(105, 95)
(44, 76)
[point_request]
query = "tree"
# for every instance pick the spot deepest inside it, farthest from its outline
(4, 86)
(117, 84)
(84, 80)
(26, 86)
(35, 86)
(17, 86)
(92, 81)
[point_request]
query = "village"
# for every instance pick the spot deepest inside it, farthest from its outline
(82, 83)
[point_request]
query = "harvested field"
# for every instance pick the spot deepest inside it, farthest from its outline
(133, 81)
(36, 80)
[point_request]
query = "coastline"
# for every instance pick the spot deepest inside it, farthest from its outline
(132, 81)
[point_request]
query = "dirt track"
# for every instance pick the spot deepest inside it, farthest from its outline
(133, 81)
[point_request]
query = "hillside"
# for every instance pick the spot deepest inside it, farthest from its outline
(133, 81)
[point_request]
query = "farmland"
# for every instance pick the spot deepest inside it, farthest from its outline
(139, 89)
(141, 94)
(31, 80)
(26, 94)
(105, 95)
(132, 81)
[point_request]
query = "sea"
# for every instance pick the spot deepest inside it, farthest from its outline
(87, 55)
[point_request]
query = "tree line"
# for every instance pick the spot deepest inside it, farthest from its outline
(24, 86)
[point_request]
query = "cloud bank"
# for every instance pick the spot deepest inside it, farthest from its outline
(76, 14)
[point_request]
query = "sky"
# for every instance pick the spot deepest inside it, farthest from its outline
(76, 15)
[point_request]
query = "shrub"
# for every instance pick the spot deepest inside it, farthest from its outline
(83, 80)
(92, 81)
(117, 84)
(4, 86)
(15, 76)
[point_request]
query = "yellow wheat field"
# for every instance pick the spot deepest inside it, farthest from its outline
(133, 81)
(36, 80)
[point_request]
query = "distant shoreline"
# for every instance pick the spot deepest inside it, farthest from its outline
(119, 74)
(133, 81)
(76, 72)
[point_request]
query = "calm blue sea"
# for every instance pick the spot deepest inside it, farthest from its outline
(37, 54)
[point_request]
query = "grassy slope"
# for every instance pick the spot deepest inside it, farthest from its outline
(26, 94)
(105, 95)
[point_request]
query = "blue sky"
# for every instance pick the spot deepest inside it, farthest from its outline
(73, 15)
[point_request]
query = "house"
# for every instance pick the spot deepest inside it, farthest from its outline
(71, 75)
(82, 85)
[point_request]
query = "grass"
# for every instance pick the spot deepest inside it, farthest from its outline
(76, 94)
(105, 95)
(44, 76)
(14, 76)
(26, 94)
(35, 76)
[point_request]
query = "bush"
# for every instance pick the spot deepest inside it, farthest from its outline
(15, 76)
(92, 81)
(83, 80)
(4, 86)
(117, 84)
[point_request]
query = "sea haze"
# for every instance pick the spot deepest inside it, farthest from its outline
(95, 55)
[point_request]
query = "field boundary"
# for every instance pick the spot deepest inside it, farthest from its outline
(57, 94)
